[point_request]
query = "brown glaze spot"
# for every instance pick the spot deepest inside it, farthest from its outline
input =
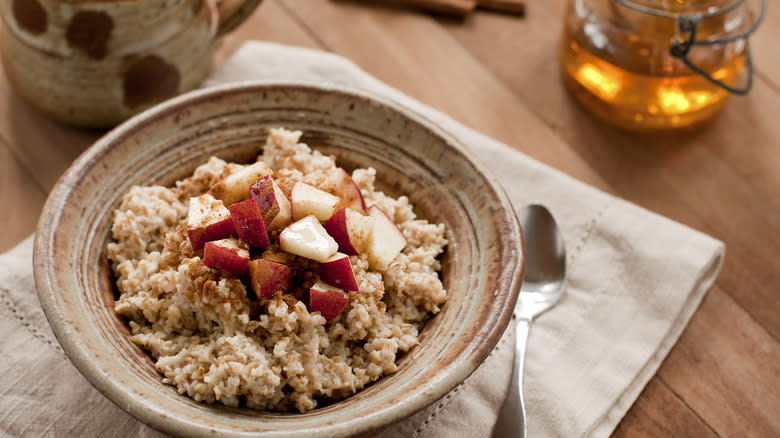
(90, 31)
(196, 6)
(148, 80)
(30, 16)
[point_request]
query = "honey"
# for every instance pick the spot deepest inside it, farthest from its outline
(617, 63)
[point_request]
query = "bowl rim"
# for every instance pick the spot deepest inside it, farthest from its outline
(71, 342)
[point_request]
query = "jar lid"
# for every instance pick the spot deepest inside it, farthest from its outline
(674, 8)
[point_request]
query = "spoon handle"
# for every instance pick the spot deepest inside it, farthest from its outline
(512, 419)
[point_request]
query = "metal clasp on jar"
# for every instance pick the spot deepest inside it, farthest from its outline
(689, 23)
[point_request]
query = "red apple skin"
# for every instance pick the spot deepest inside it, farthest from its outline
(271, 202)
(235, 187)
(328, 302)
(248, 222)
(207, 219)
(262, 191)
(222, 255)
(267, 277)
(336, 226)
(346, 189)
(351, 236)
(337, 271)
(214, 231)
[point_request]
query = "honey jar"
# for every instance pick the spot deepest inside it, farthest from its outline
(653, 65)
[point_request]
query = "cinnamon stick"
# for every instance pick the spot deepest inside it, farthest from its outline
(509, 6)
(459, 8)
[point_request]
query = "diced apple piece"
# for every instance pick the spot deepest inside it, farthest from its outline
(346, 189)
(327, 300)
(308, 238)
(307, 200)
(226, 254)
(267, 277)
(386, 240)
(272, 202)
(208, 219)
(337, 271)
(248, 221)
(235, 187)
(350, 229)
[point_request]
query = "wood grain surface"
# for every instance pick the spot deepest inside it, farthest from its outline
(500, 75)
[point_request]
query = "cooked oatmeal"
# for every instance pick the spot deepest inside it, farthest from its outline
(216, 339)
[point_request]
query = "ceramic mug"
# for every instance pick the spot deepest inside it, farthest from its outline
(94, 63)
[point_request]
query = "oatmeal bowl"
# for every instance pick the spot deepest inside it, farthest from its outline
(277, 258)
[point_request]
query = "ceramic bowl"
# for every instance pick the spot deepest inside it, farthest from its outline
(482, 266)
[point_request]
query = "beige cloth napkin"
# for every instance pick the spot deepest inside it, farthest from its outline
(635, 278)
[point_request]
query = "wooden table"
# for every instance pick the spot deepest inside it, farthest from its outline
(499, 74)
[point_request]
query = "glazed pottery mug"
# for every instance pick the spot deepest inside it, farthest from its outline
(95, 63)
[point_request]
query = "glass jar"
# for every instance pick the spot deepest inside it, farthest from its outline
(657, 64)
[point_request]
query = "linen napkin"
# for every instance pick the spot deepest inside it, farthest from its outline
(634, 280)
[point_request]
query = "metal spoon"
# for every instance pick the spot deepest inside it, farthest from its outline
(543, 285)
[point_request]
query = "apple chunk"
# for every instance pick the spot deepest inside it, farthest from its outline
(226, 254)
(208, 219)
(342, 185)
(327, 300)
(235, 187)
(272, 202)
(248, 221)
(337, 271)
(350, 229)
(307, 200)
(267, 277)
(386, 240)
(308, 238)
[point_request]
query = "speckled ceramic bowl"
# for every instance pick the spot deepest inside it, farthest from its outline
(482, 265)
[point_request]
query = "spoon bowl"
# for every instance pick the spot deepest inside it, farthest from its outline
(545, 269)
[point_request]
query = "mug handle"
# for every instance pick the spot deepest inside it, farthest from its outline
(236, 14)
